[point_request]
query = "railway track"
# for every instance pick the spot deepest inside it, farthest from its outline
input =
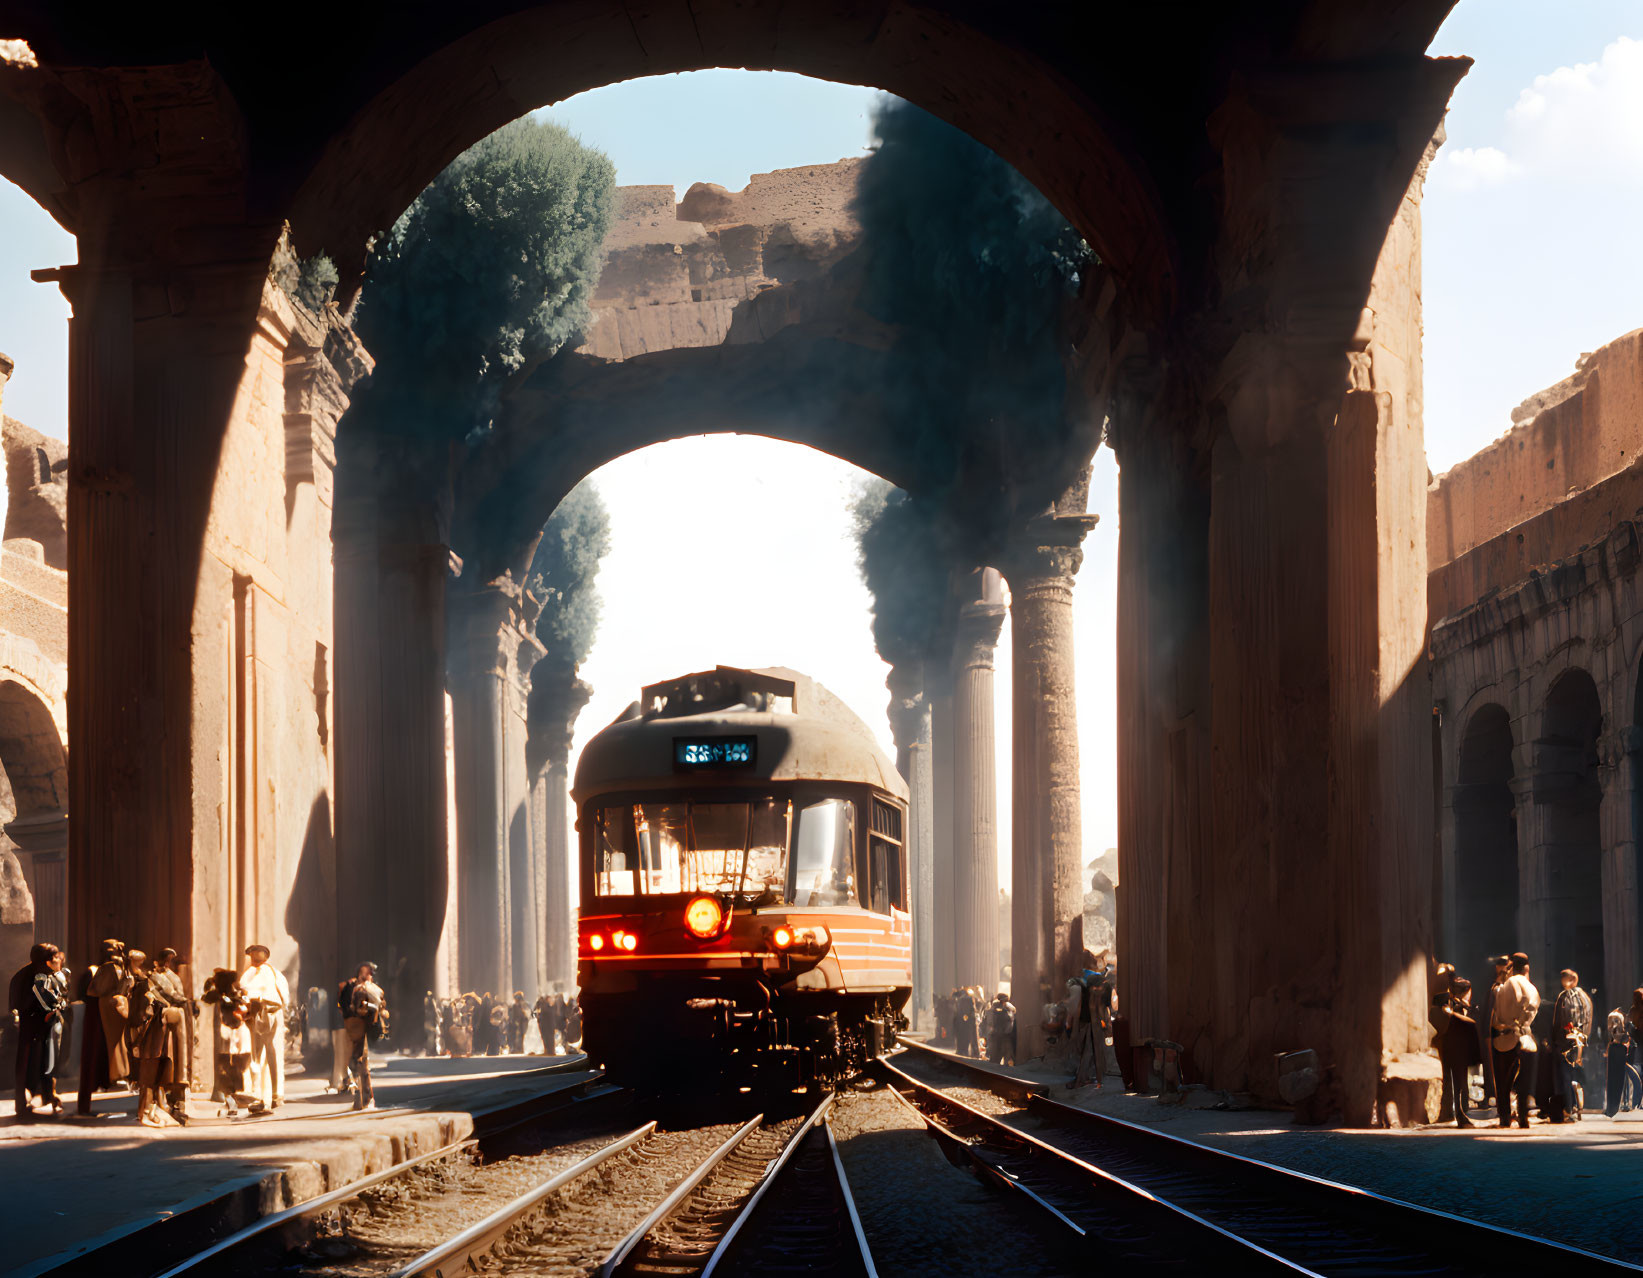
(1300, 1223)
(718, 1214)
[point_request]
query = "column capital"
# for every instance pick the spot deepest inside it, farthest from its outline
(979, 623)
(1051, 547)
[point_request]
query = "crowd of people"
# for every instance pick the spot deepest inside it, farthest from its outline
(970, 1024)
(1512, 1044)
(137, 1031)
(139, 1025)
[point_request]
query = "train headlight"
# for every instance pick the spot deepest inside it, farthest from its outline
(627, 941)
(781, 938)
(596, 942)
(703, 916)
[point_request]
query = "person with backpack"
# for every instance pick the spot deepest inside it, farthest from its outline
(367, 1021)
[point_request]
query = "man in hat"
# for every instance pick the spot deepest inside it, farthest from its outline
(1516, 1003)
(270, 998)
(1458, 1046)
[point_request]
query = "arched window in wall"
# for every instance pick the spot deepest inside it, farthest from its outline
(1570, 883)
(1486, 849)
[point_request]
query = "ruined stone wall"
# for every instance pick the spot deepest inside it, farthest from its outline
(33, 690)
(1530, 602)
(1564, 440)
(675, 274)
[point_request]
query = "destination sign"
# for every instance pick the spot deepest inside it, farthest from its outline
(713, 752)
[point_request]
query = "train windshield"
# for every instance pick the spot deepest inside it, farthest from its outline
(648, 849)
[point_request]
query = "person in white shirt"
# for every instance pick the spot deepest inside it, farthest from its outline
(1516, 1002)
(270, 999)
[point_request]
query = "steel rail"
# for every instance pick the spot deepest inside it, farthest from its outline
(1125, 1217)
(996, 1081)
(815, 1128)
(530, 1109)
(676, 1199)
(478, 1238)
(1311, 1215)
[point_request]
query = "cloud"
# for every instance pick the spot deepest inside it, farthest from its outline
(1474, 167)
(1579, 125)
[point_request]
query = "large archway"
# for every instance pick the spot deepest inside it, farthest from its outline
(1564, 888)
(34, 802)
(1486, 849)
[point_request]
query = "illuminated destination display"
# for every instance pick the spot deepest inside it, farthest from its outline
(713, 752)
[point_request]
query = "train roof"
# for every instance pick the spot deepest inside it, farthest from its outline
(802, 732)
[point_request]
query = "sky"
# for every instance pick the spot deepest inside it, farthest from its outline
(1531, 256)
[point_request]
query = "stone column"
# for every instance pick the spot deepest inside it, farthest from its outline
(491, 653)
(1047, 840)
(910, 725)
(557, 698)
(975, 787)
(942, 962)
(392, 564)
(1622, 893)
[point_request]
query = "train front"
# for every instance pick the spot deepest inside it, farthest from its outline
(743, 883)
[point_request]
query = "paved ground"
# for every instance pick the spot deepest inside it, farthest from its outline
(1580, 1183)
(88, 1181)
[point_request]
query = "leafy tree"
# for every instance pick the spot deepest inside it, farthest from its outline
(488, 273)
(563, 575)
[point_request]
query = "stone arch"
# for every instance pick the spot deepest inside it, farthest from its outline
(33, 814)
(1565, 885)
(1000, 86)
(1486, 842)
(31, 753)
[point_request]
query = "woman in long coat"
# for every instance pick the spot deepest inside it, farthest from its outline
(111, 986)
(157, 1042)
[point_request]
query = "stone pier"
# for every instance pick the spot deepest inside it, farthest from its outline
(392, 565)
(974, 793)
(1046, 880)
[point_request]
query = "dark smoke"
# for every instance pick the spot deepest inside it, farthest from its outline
(905, 556)
(977, 270)
(488, 273)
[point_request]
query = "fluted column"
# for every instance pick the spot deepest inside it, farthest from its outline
(1046, 880)
(910, 725)
(943, 972)
(975, 787)
(497, 896)
(557, 698)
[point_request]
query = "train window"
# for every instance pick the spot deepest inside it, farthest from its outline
(885, 859)
(823, 850)
(656, 848)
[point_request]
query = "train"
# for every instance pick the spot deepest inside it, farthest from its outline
(745, 914)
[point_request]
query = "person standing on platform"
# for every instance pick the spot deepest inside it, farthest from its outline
(518, 1016)
(1502, 964)
(1571, 1030)
(39, 994)
(342, 1047)
(367, 1021)
(270, 999)
(547, 1023)
(964, 1023)
(110, 988)
(1513, 1042)
(1620, 1079)
(1001, 1030)
(1458, 1048)
(231, 1039)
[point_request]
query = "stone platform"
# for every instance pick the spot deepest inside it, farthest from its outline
(88, 1182)
(1577, 1183)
